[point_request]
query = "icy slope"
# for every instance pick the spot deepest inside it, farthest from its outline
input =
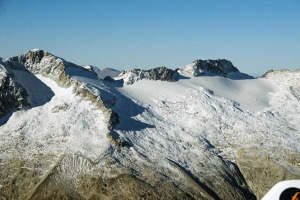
(64, 124)
(195, 122)
(63, 98)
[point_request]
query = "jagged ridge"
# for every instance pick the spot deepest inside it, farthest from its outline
(219, 67)
(159, 73)
(64, 74)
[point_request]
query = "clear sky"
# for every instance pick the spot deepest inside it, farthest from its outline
(255, 35)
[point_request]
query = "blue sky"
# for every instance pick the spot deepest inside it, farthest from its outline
(255, 35)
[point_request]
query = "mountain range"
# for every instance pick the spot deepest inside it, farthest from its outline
(202, 131)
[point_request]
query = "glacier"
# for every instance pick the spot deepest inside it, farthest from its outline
(203, 131)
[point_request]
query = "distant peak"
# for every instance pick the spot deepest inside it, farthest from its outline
(111, 69)
(219, 67)
(107, 72)
(37, 51)
(158, 73)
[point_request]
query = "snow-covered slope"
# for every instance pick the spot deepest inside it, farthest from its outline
(195, 121)
(207, 137)
(253, 94)
(66, 123)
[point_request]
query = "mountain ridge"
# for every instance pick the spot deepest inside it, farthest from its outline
(198, 137)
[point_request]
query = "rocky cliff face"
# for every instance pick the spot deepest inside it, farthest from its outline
(159, 73)
(12, 95)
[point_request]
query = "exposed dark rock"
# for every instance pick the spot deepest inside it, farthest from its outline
(159, 73)
(12, 94)
(114, 120)
(220, 67)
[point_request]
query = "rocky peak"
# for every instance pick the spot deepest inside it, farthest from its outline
(85, 83)
(39, 62)
(34, 56)
(159, 73)
(220, 67)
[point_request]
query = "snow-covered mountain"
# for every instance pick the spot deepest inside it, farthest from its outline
(219, 67)
(204, 131)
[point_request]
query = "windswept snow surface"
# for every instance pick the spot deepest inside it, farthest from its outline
(64, 124)
(196, 120)
(249, 94)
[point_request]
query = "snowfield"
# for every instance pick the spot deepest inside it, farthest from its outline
(178, 116)
(251, 94)
(195, 120)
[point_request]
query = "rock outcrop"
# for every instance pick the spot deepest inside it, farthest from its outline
(220, 67)
(12, 94)
(159, 73)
